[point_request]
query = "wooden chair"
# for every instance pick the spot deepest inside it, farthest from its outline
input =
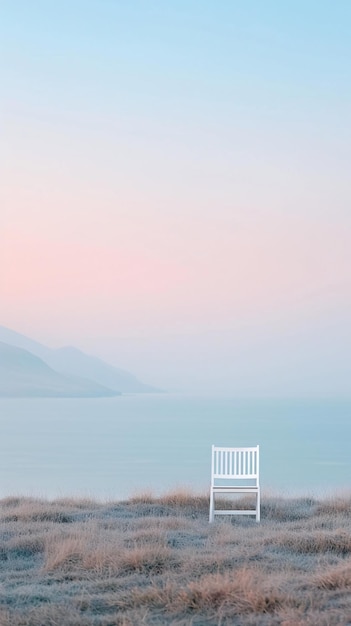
(235, 471)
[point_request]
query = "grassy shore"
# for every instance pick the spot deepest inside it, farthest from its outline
(158, 561)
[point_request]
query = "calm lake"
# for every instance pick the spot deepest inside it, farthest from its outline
(116, 447)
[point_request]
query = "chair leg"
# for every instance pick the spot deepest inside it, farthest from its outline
(211, 517)
(258, 507)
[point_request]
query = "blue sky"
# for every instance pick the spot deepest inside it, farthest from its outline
(178, 172)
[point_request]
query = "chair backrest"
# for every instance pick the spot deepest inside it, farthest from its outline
(235, 464)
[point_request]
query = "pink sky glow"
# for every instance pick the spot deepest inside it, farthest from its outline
(172, 171)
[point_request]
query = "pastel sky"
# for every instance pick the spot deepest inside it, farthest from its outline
(175, 187)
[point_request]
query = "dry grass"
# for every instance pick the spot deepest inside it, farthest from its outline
(154, 561)
(338, 577)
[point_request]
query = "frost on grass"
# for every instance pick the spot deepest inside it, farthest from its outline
(157, 561)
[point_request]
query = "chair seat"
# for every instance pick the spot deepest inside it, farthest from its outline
(235, 488)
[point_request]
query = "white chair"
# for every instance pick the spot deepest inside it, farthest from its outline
(235, 471)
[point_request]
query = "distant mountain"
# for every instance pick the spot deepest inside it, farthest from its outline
(77, 363)
(24, 375)
(21, 341)
(70, 361)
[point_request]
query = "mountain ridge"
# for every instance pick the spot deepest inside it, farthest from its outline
(74, 361)
(71, 362)
(23, 375)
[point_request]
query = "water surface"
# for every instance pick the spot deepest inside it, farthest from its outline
(115, 447)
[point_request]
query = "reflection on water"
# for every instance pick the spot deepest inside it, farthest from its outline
(113, 447)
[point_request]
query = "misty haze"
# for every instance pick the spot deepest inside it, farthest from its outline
(175, 272)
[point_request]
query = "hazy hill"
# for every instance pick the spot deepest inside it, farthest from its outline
(13, 338)
(22, 374)
(77, 363)
(70, 361)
